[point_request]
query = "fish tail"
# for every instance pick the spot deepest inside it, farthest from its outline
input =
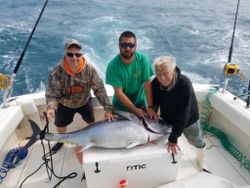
(35, 134)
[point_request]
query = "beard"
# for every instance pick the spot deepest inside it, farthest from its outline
(127, 55)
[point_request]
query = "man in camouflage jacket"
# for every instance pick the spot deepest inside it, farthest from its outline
(68, 89)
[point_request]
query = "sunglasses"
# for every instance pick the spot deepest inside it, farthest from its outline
(127, 45)
(69, 54)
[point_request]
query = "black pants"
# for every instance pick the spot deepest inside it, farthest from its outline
(64, 115)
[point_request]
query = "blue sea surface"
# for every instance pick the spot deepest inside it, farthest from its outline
(197, 33)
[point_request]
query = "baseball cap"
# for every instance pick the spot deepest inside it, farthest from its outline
(71, 42)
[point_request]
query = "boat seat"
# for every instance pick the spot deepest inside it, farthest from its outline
(10, 119)
(201, 179)
(11, 116)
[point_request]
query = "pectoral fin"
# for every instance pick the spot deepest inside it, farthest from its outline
(87, 146)
(148, 127)
(133, 144)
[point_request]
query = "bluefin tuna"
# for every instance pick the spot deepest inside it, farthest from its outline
(126, 131)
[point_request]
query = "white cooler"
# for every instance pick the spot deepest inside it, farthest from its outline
(144, 166)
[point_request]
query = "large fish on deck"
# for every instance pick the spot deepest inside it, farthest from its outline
(126, 131)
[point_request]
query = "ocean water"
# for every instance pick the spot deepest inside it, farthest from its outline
(197, 33)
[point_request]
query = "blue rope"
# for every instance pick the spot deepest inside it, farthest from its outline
(12, 160)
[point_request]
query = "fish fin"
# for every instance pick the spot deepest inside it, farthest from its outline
(35, 134)
(133, 144)
(146, 126)
(87, 146)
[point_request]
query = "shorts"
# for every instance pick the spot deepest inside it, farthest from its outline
(64, 115)
(193, 134)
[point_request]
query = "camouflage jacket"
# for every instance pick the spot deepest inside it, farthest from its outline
(74, 92)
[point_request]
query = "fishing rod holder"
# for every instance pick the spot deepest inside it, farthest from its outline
(225, 84)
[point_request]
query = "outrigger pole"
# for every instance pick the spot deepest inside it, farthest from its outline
(8, 89)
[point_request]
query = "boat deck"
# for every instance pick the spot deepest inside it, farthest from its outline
(219, 161)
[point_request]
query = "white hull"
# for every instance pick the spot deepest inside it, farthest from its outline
(228, 115)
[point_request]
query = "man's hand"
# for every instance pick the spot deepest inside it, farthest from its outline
(140, 113)
(50, 114)
(152, 114)
(172, 147)
(110, 116)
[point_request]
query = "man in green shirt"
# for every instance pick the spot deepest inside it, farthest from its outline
(129, 73)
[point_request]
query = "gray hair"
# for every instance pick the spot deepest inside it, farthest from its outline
(169, 61)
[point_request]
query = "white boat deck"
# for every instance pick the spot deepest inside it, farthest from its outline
(219, 161)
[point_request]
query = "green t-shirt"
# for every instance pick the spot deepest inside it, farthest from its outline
(131, 78)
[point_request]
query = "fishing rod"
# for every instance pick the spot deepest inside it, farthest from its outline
(231, 69)
(7, 82)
